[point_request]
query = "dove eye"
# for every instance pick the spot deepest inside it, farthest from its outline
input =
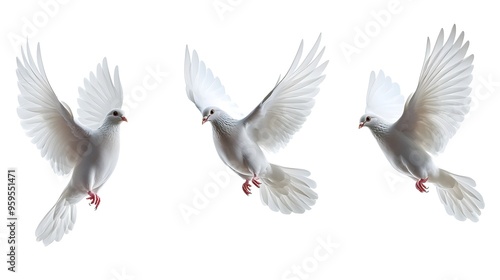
(212, 112)
(368, 118)
(115, 113)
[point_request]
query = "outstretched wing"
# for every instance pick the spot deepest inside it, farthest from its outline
(434, 112)
(384, 98)
(283, 111)
(47, 121)
(203, 88)
(99, 96)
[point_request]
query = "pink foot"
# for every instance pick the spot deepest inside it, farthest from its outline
(420, 185)
(246, 188)
(255, 181)
(94, 199)
(246, 185)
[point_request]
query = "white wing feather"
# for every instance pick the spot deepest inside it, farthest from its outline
(283, 111)
(203, 88)
(99, 96)
(384, 98)
(434, 112)
(47, 121)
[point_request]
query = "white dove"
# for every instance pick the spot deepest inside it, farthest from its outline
(91, 152)
(270, 126)
(431, 116)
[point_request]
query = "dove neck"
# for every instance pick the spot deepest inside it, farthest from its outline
(223, 125)
(380, 130)
(109, 128)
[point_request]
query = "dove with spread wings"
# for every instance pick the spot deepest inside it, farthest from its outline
(240, 141)
(409, 134)
(88, 150)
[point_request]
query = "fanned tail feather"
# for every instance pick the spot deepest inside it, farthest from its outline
(459, 197)
(288, 190)
(58, 221)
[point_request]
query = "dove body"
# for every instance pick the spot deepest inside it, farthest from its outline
(402, 152)
(234, 146)
(98, 161)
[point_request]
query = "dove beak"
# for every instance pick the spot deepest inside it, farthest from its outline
(124, 119)
(205, 119)
(361, 124)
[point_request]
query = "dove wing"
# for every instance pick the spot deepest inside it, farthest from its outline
(46, 120)
(283, 111)
(203, 88)
(433, 113)
(99, 96)
(384, 98)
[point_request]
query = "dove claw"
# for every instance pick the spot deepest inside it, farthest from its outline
(94, 199)
(255, 181)
(246, 188)
(420, 185)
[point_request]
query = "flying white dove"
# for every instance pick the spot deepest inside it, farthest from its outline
(270, 125)
(431, 116)
(90, 151)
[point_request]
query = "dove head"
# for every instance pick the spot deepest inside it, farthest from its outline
(211, 114)
(115, 116)
(368, 120)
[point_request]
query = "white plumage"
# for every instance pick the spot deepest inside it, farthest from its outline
(431, 116)
(90, 152)
(239, 142)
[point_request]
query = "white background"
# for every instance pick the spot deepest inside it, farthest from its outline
(378, 224)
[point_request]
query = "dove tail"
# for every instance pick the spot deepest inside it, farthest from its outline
(58, 221)
(458, 196)
(288, 190)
